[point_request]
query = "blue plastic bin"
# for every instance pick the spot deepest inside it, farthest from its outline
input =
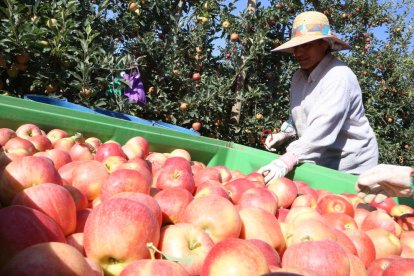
(58, 102)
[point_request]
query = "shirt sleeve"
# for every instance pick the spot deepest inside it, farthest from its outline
(325, 119)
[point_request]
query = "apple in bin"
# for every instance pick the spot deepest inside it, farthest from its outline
(154, 267)
(66, 171)
(136, 146)
(386, 243)
(173, 202)
(59, 157)
(386, 205)
(113, 162)
(237, 187)
(21, 227)
(89, 177)
(40, 142)
(340, 221)
(56, 134)
(401, 267)
(5, 135)
(82, 151)
(24, 173)
(377, 267)
(188, 242)
(109, 149)
(157, 160)
(310, 229)
(235, 256)
(363, 244)
(210, 190)
(81, 217)
(324, 257)
(48, 261)
(207, 174)
(14, 149)
(272, 257)
(220, 218)
(285, 190)
(333, 203)
(125, 226)
(76, 240)
(53, 200)
(26, 131)
(381, 219)
(175, 176)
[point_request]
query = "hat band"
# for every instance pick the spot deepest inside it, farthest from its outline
(311, 29)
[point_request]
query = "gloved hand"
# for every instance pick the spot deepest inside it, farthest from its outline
(278, 167)
(384, 181)
(287, 130)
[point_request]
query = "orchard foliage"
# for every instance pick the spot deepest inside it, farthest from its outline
(199, 58)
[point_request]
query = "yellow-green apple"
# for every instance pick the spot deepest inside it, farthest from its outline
(89, 177)
(377, 267)
(260, 224)
(305, 200)
(5, 135)
(173, 202)
(81, 201)
(237, 187)
(225, 174)
(212, 189)
(345, 242)
(113, 162)
(272, 257)
(234, 256)
(53, 200)
(66, 171)
(154, 267)
(136, 147)
(400, 267)
(257, 178)
(82, 151)
(21, 227)
(52, 258)
(175, 176)
(205, 174)
(117, 232)
(145, 199)
(81, 217)
(56, 134)
(59, 157)
(356, 265)
(285, 190)
(124, 180)
(340, 221)
(24, 173)
(220, 218)
(381, 219)
(326, 257)
(333, 203)
(40, 142)
(181, 153)
(385, 242)
(15, 148)
(186, 242)
(385, 205)
(76, 240)
(363, 244)
(401, 209)
(309, 230)
(109, 149)
(28, 130)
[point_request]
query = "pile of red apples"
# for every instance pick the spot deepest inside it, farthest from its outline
(74, 205)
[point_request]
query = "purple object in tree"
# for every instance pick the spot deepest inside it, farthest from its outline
(135, 92)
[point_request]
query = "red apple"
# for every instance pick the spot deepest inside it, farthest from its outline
(185, 241)
(346, 242)
(81, 202)
(154, 267)
(385, 242)
(41, 142)
(237, 187)
(112, 163)
(175, 176)
(353, 198)
(400, 267)
(53, 200)
(125, 226)
(177, 162)
(48, 261)
(285, 190)
(356, 265)
(173, 202)
(5, 135)
(66, 171)
(257, 178)
(95, 142)
(82, 151)
(220, 218)
(21, 227)
(272, 257)
(81, 217)
(56, 134)
(212, 189)
(381, 219)
(15, 148)
(385, 205)
(377, 267)
(24, 173)
(66, 143)
(309, 230)
(262, 225)
(235, 256)
(124, 180)
(59, 157)
(298, 214)
(340, 221)
(305, 200)
(225, 173)
(281, 214)
(89, 178)
(28, 130)
(363, 244)
(360, 215)
(326, 258)
(207, 174)
(333, 203)
(181, 153)
(136, 146)
(140, 165)
(157, 161)
(109, 149)
(76, 240)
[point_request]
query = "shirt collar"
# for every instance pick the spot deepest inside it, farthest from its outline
(316, 73)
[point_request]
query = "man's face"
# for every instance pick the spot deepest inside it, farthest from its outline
(310, 54)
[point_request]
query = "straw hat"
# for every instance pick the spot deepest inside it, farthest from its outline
(309, 26)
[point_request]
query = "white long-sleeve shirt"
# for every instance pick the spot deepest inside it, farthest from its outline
(328, 114)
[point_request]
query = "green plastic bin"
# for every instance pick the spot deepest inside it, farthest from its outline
(15, 111)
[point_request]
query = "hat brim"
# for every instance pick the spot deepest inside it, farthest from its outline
(337, 44)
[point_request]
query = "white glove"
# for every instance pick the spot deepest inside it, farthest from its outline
(384, 181)
(275, 169)
(287, 130)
